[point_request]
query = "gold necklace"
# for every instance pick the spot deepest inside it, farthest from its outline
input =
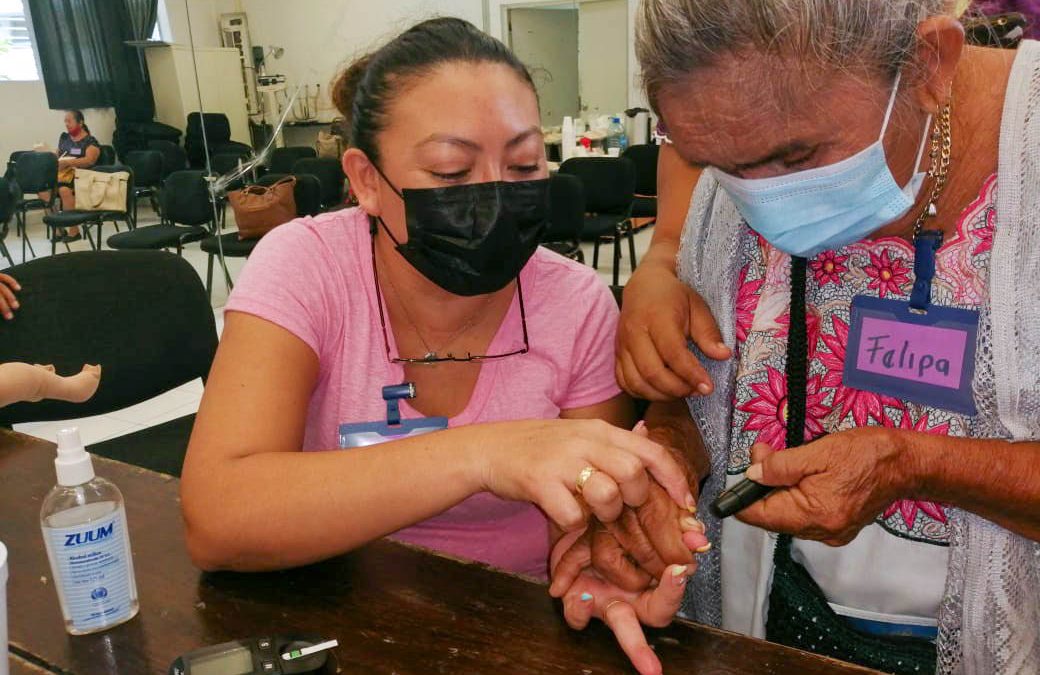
(939, 166)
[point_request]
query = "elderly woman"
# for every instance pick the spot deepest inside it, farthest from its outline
(871, 200)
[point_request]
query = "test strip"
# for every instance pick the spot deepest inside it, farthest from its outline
(307, 651)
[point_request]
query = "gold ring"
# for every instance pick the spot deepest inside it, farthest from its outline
(584, 477)
(611, 604)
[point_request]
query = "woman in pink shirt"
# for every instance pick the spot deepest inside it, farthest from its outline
(435, 280)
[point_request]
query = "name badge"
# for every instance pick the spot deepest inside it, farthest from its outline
(75, 152)
(925, 357)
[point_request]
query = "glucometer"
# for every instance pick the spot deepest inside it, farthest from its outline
(280, 655)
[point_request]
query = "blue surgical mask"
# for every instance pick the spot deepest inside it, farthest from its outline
(808, 212)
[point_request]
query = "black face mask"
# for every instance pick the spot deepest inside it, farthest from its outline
(473, 239)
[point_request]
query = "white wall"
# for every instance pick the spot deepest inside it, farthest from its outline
(602, 57)
(28, 120)
(204, 15)
(321, 36)
(546, 41)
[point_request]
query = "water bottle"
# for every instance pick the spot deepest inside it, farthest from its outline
(616, 137)
(84, 530)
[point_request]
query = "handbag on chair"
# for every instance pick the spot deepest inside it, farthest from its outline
(259, 209)
(100, 191)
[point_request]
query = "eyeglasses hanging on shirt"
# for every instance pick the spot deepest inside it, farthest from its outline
(431, 355)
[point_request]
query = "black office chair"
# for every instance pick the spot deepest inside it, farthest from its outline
(184, 200)
(282, 159)
(35, 172)
(11, 161)
(306, 194)
(10, 193)
(88, 219)
(147, 166)
(566, 217)
(227, 162)
(645, 158)
(217, 139)
(174, 156)
(330, 172)
(142, 315)
(107, 156)
(609, 186)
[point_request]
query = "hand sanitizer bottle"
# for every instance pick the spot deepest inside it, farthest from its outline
(84, 530)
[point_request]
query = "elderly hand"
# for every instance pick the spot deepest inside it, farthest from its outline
(635, 549)
(831, 488)
(591, 596)
(8, 301)
(653, 359)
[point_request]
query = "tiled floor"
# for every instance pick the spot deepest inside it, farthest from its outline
(185, 399)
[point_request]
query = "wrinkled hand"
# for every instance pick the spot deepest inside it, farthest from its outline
(635, 549)
(832, 488)
(590, 596)
(657, 315)
(8, 301)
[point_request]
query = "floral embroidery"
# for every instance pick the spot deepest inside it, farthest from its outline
(879, 268)
(888, 276)
(812, 328)
(747, 300)
(863, 405)
(828, 268)
(769, 409)
(908, 508)
(983, 236)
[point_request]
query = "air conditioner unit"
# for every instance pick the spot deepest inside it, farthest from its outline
(234, 32)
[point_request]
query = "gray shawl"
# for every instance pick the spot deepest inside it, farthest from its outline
(989, 620)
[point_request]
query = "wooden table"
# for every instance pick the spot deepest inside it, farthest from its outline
(393, 609)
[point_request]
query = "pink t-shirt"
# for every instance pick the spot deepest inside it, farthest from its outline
(313, 277)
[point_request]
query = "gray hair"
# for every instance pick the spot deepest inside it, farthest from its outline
(676, 37)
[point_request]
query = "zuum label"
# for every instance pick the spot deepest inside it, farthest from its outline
(95, 576)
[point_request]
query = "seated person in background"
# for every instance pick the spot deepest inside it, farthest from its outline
(435, 279)
(77, 149)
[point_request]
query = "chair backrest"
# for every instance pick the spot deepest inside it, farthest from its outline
(173, 156)
(226, 162)
(566, 208)
(147, 166)
(282, 159)
(11, 161)
(644, 156)
(186, 199)
(218, 128)
(306, 194)
(10, 193)
(36, 171)
(142, 315)
(329, 171)
(608, 183)
(107, 156)
(115, 168)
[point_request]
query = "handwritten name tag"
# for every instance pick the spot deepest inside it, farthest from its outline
(927, 358)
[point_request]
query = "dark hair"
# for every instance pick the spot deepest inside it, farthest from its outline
(78, 116)
(363, 91)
